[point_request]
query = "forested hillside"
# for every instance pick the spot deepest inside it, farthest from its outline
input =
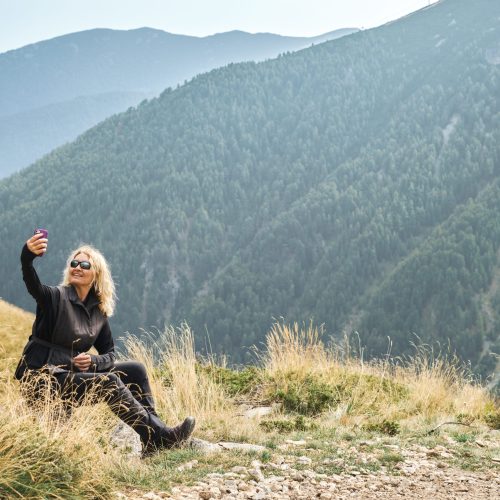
(52, 91)
(355, 183)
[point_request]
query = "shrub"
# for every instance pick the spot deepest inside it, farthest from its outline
(389, 427)
(299, 423)
(234, 381)
(491, 415)
(309, 396)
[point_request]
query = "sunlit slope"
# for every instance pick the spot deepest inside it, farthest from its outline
(301, 187)
(15, 328)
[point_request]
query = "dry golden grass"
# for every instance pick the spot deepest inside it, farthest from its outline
(39, 446)
(46, 453)
(15, 328)
(421, 389)
(180, 389)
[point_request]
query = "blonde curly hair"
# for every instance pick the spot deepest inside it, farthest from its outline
(103, 281)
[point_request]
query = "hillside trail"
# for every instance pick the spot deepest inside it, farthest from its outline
(422, 473)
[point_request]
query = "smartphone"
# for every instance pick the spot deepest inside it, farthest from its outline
(45, 234)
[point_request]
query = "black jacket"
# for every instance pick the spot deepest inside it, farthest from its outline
(59, 309)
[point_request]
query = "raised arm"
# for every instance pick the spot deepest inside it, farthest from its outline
(35, 246)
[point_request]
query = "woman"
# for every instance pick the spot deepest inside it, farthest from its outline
(70, 319)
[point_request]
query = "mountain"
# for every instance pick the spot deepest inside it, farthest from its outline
(355, 183)
(52, 91)
(30, 134)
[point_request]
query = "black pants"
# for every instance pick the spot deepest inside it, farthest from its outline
(125, 388)
(126, 381)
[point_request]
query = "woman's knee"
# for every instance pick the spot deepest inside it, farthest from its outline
(131, 371)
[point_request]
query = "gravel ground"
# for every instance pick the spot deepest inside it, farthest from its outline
(421, 474)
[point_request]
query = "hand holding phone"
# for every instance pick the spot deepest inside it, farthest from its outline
(37, 244)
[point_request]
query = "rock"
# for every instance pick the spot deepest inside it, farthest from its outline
(365, 443)
(215, 492)
(242, 486)
(126, 439)
(238, 469)
(204, 446)
(256, 474)
(304, 460)
(297, 476)
(242, 446)
(258, 412)
(302, 442)
(152, 496)
(187, 465)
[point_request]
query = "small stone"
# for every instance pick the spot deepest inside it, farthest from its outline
(304, 460)
(242, 446)
(230, 484)
(302, 442)
(151, 496)
(325, 496)
(256, 474)
(392, 447)
(242, 486)
(275, 487)
(187, 465)
(365, 443)
(238, 469)
(215, 491)
(296, 476)
(258, 412)
(214, 475)
(204, 446)
(259, 495)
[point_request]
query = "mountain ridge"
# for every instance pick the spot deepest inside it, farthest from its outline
(49, 75)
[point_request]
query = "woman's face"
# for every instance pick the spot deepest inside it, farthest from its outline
(79, 276)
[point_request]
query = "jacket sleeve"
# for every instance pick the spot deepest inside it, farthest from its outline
(105, 346)
(43, 294)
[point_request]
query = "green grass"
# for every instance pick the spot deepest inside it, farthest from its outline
(35, 466)
(160, 472)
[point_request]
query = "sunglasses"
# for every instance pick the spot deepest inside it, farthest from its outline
(84, 264)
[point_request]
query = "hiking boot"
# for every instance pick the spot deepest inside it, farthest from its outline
(169, 437)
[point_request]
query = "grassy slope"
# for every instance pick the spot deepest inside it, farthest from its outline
(332, 400)
(15, 328)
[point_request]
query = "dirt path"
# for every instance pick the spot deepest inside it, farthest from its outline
(421, 473)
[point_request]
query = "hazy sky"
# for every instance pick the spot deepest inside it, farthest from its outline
(27, 21)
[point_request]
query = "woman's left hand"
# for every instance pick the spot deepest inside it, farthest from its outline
(82, 361)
